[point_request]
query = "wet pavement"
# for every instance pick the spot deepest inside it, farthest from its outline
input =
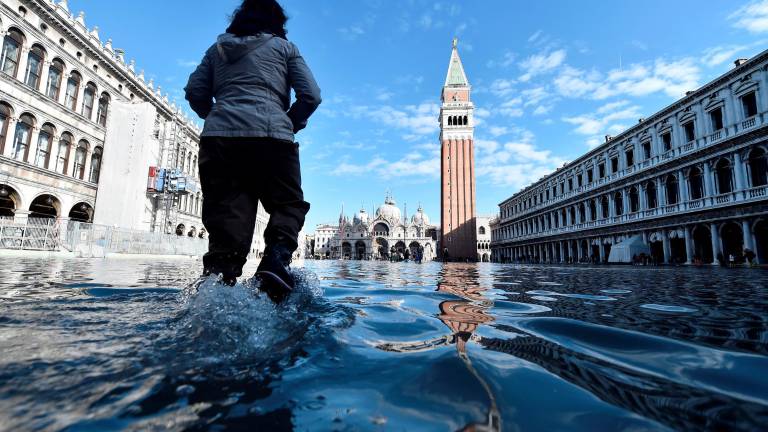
(132, 345)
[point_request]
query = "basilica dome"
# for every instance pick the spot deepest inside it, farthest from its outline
(389, 211)
(420, 218)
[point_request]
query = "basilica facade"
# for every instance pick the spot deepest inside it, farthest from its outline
(388, 234)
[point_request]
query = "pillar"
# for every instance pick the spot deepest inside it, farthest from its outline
(716, 247)
(665, 246)
(660, 189)
(747, 235)
(625, 201)
(708, 190)
(688, 246)
(562, 251)
(8, 149)
(601, 250)
(681, 184)
(738, 171)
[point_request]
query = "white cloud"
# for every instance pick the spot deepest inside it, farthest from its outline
(515, 163)
(417, 120)
(640, 79)
(642, 46)
(605, 120)
(187, 63)
(534, 36)
(498, 130)
(541, 63)
(502, 87)
(352, 32)
(752, 17)
(423, 162)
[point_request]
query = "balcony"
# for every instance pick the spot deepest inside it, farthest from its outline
(722, 199)
(717, 136)
(749, 123)
(758, 192)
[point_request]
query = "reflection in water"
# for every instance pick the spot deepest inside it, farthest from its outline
(463, 317)
(121, 345)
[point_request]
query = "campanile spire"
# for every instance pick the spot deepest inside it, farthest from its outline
(458, 212)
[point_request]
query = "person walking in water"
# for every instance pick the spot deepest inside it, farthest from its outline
(242, 88)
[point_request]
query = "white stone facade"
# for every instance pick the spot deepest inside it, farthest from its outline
(78, 121)
(690, 181)
(388, 234)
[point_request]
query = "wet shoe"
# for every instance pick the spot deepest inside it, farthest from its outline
(228, 280)
(275, 274)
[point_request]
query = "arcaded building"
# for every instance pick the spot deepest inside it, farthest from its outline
(457, 162)
(687, 184)
(83, 134)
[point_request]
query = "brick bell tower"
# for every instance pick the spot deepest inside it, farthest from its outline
(457, 161)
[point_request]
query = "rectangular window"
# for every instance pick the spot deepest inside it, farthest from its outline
(630, 155)
(614, 164)
(590, 175)
(554, 191)
(717, 119)
(690, 132)
(601, 170)
(579, 180)
(749, 102)
(666, 140)
(646, 150)
(562, 188)
(547, 194)
(570, 184)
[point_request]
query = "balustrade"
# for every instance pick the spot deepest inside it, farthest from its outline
(749, 123)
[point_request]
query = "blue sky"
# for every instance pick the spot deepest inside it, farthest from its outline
(550, 79)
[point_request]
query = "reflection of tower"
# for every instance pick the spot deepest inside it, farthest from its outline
(457, 164)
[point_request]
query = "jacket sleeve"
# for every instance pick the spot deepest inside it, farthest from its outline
(304, 85)
(199, 89)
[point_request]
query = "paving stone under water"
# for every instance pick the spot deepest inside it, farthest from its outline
(135, 345)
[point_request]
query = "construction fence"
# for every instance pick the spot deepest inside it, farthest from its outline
(91, 240)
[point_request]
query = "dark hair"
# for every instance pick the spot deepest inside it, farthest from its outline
(258, 16)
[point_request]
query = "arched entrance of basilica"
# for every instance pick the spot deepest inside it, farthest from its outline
(382, 248)
(346, 251)
(360, 250)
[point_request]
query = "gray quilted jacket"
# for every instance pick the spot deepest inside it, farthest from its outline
(242, 88)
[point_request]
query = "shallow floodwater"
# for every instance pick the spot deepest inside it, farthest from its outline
(132, 345)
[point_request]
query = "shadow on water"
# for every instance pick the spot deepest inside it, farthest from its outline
(113, 345)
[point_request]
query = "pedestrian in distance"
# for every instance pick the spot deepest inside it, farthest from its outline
(242, 88)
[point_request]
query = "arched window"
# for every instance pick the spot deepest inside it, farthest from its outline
(189, 162)
(466, 122)
(724, 176)
(55, 74)
(11, 54)
(194, 168)
(582, 212)
(80, 154)
(23, 137)
(672, 190)
(44, 143)
(73, 87)
(95, 165)
(618, 201)
(758, 167)
(696, 183)
(481, 231)
(5, 120)
(634, 200)
(182, 159)
(604, 206)
(101, 115)
(450, 121)
(62, 154)
(89, 98)
(572, 213)
(592, 210)
(651, 195)
(35, 61)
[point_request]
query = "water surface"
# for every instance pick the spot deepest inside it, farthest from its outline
(133, 345)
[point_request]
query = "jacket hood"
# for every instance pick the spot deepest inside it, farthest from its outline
(233, 48)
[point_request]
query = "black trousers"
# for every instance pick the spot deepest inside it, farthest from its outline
(237, 173)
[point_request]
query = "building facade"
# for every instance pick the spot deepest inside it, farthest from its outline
(388, 234)
(457, 162)
(685, 185)
(483, 238)
(81, 128)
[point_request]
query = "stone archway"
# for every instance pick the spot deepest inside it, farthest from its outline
(360, 250)
(10, 201)
(81, 212)
(677, 253)
(346, 251)
(180, 229)
(44, 208)
(733, 241)
(702, 244)
(761, 240)
(415, 250)
(382, 247)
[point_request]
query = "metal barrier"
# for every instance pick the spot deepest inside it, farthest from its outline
(89, 240)
(35, 234)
